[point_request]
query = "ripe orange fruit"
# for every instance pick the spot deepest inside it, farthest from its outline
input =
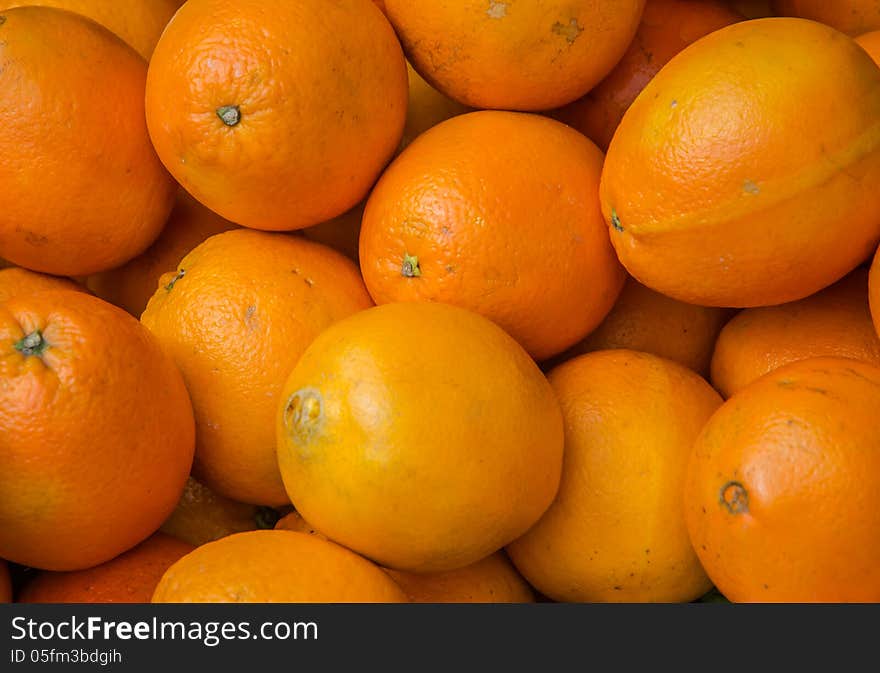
(15, 281)
(496, 212)
(399, 403)
(645, 320)
(96, 428)
(5, 583)
(277, 114)
(853, 17)
(275, 566)
(782, 486)
(616, 530)
(131, 577)
(489, 580)
(131, 285)
(235, 317)
(700, 233)
(833, 322)
(514, 55)
(72, 96)
(138, 22)
(870, 42)
(202, 516)
(667, 27)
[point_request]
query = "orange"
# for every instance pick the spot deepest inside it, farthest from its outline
(96, 429)
(752, 9)
(833, 322)
(667, 27)
(131, 285)
(616, 530)
(5, 583)
(514, 55)
(645, 320)
(129, 578)
(15, 281)
(275, 566)
(235, 317)
(202, 516)
(427, 107)
(138, 22)
(277, 114)
(496, 212)
(870, 42)
(782, 487)
(84, 190)
(733, 216)
(420, 435)
(853, 17)
(489, 580)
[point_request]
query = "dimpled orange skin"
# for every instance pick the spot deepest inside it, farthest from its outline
(275, 566)
(853, 17)
(734, 216)
(131, 285)
(97, 431)
(644, 320)
(314, 95)
(248, 303)
(131, 577)
(870, 42)
(514, 55)
(835, 322)
(5, 583)
(500, 210)
(420, 435)
(489, 580)
(202, 516)
(15, 281)
(84, 188)
(138, 22)
(616, 530)
(667, 27)
(782, 486)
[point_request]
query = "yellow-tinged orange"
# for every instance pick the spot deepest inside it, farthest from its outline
(275, 566)
(235, 317)
(782, 486)
(277, 115)
(96, 428)
(83, 188)
(744, 173)
(514, 55)
(131, 285)
(15, 281)
(616, 530)
(833, 322)
(496, 212)
(645, 320)
(420, 435)
(138, 22)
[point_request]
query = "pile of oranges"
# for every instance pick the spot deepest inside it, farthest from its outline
(490, 301)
